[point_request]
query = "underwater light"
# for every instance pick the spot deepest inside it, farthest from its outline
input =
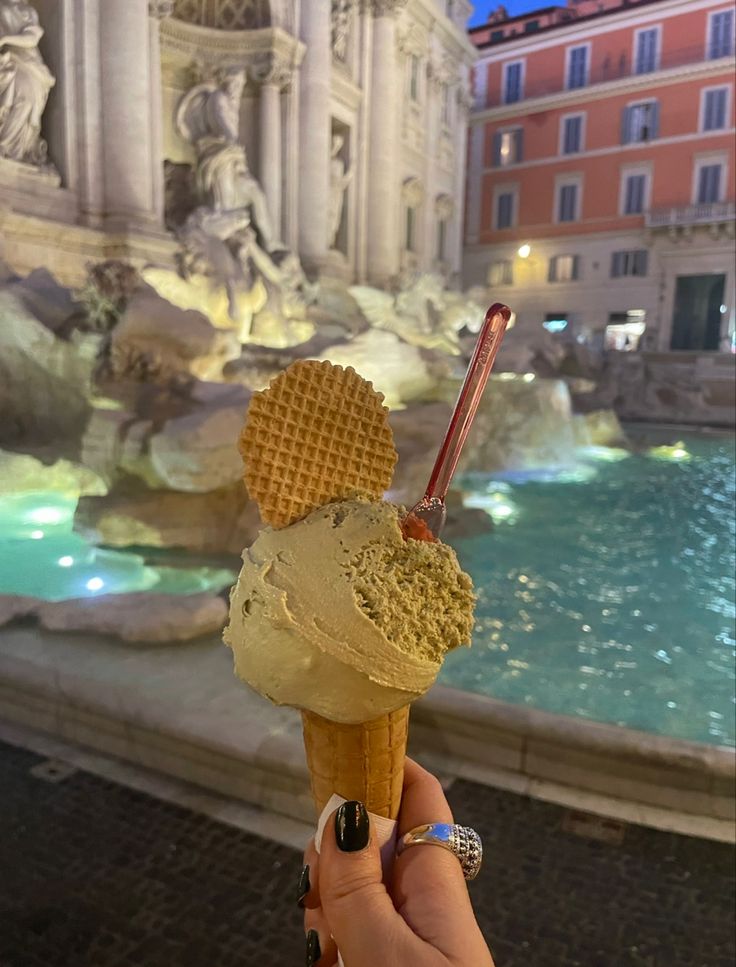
(45, 515)
(95, 584)
(66, 561)
(36, 535)
(677, 451)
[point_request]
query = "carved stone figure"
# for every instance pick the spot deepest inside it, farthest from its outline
(339, 181)
(341, 28)
(230, 237)
(25, 82)
(209, 118)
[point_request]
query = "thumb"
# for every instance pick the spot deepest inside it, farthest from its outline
(366, 927)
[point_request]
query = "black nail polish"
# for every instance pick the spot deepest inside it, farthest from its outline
(314, 951)
(352, 829)
(304, 886)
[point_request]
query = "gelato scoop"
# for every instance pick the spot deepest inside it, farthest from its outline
(339, 615)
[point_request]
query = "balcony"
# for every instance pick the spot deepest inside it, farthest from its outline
(612, 69)
(682, 216)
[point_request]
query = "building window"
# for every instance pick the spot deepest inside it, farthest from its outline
(501, 272)
(571, 139)
(710, 181)
(411, 229)
(556, 322)
(414, 77)
(635, 190)
(640, 122)
(531, 26)
(646, 55)
(496, 35)
(568, 202)
(505, 205)
(513, 82)
(577, 66)
(633, 262)
(564, 268)
(624, 330)
(714, 108)
(721, 34)
(508, 147)
(441, 239)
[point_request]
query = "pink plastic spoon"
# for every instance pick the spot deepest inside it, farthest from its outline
(427, 518)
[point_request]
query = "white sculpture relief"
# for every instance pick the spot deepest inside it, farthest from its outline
(25, 82)
(341, 10)
(230, 237)
(224, 14)
(340, 178)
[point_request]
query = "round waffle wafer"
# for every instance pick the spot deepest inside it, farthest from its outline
(319, 433)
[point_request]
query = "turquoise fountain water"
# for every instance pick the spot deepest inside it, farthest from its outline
(42, 557)
(607, 591)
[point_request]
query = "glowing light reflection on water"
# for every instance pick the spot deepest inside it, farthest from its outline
(608, 593)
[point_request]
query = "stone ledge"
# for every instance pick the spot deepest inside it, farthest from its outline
(177, 709)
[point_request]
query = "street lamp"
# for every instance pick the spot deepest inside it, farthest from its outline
(525, 251)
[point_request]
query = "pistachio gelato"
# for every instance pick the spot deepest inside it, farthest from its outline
(338, 614)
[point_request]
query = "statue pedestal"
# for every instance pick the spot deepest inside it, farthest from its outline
(26, 188)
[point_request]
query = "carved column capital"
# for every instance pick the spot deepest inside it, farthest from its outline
(464, 100)
(387, 8)
(160, 9)
(272, 69)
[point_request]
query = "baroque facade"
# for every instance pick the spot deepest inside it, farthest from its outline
(352, 115)
(600, 181)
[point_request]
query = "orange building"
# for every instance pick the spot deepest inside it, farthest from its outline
(600, 194)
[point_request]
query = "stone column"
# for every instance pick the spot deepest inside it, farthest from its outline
(126, 112)
(455, 249)
(158, 10)
(475, 181)
(314, 133)
(272, 74)
(384, 177)
(365, 49)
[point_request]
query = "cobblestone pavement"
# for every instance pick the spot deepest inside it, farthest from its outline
(93, 874)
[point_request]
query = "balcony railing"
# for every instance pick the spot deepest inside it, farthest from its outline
(612, 69)
(718, 211)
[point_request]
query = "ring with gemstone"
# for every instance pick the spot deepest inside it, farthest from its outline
(462, 841)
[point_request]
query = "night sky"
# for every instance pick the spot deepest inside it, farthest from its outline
(484, 7)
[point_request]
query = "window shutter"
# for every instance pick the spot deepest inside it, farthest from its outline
(519, 145)
(641, 257)
(616, 265)
(552, 271)
(626, 116)
(654, 120)
(497, 149)
(575, 267)
(708, 124)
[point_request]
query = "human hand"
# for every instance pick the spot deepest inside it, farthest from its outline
(423, 918)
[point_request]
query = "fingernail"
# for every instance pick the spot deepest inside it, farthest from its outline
(352, 828)
(304, 886)
(314, 951)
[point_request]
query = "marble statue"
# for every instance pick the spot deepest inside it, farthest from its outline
(230, 236)
(25, 82)
(209, 118)
(340, 16)
(339, 181)
(424, 313)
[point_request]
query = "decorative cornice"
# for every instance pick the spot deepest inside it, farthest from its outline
(186, 42)
(160, 9)
(271, 69)
(387, 8)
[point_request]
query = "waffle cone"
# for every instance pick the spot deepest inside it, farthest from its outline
(363, 762)
(318, 433)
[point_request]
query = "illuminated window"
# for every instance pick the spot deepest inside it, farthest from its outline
(501, 272)
(624, 330)
(508, 147)
(564, 268)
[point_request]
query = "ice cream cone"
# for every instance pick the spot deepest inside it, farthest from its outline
(363, 762)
